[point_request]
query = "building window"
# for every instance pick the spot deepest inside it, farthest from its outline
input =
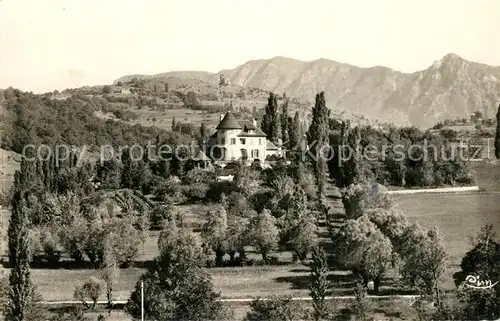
(233, 141)
(242, 141)
(222, 141)
(244, 154)
(255, 153)
(260, 141)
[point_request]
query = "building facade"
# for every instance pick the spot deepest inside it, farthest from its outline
(236, 139)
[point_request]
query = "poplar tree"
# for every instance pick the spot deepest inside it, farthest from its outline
(294, 131)
(285, 123)
(270, 120)
(497, 136)
(317, 135)
(319, 283)
(276, 128)
(319, 128)
(22, 294)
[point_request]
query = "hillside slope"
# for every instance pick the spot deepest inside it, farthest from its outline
(451, 87)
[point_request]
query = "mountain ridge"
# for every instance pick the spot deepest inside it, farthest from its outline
(450, 87)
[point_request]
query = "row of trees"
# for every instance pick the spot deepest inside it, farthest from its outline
(279, 126)
(390, 156)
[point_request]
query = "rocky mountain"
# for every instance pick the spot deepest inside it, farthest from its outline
(451, 87)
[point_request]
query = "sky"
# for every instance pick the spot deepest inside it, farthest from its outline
(56, 44)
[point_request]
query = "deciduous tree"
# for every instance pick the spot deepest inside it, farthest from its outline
(214, 233)
(276, 309)
(90, 289)
(176, 286)
(264, 234)
(364, 249)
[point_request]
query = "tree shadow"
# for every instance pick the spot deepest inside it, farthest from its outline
(74, 265)
(61, 265)
(303, 281)
(344, 284)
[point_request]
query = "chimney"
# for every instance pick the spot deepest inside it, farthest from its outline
(221, 117)
(254, 122)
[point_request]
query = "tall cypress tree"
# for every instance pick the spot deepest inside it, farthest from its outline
(317, 136)
(295, 131)
(353, 168)
(319, 128)
(285, 123)
(269, 120)
(25, 178)
(340, 145)
(21, 288)
(497, 136)
(276, 128)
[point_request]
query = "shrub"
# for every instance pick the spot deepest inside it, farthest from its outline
(358, 198)
(70, 314)
(465, 179)
(238, 204)
(5, 197)
(197, 191)
(260, 200)
(276, 309)
(198, 175)
(307, 182)
(171, 191)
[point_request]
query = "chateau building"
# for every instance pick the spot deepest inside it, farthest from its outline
(236, 139)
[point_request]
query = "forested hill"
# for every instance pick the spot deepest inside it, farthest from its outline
(26, 118)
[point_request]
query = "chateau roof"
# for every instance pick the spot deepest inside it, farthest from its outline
(248, 125)
(271, 146)
(248, 129)
(229, 122)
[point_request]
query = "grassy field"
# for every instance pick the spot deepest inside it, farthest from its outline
(458, 217)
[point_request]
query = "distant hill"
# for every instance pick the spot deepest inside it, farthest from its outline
(202, 75)
(451, 87)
